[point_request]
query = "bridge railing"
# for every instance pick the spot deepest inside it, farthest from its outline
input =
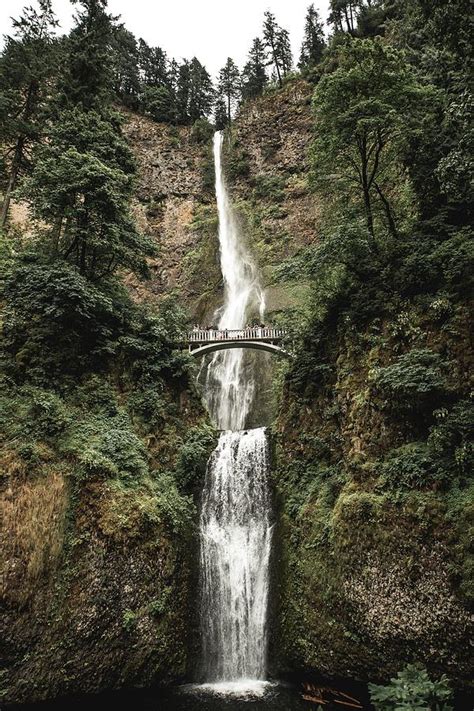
(245, 334)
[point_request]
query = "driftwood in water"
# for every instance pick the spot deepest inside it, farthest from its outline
(323, 695)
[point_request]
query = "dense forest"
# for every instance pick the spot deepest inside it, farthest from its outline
(104, 437)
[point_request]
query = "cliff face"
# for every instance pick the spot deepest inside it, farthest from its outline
(267, 162)
(375, 557)
(97, 573)
(97, 523)
(175, 205)
(372, 485)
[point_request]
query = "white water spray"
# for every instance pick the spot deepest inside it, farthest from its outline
(229, 394)
(235, 521)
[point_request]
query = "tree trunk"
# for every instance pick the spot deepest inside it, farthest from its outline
(388, 212)
(368, 212)
(277, 66)
(18, 155)
(15, 169)
(364, 179)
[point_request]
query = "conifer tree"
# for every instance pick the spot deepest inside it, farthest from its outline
(277, 43)
(343, 15)
(26, 67)
(82, 182)
(284, 51)
(153, 65)
(182, 92)
(201, 92)
(229, 86)
(313, 44)
(126, 70)
(254, 76)
(220, 114)
(88, 72)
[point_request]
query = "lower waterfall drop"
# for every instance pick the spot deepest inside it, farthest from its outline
(235, 552)
(235, 521)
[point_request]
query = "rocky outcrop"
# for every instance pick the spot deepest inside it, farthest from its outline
(96, 570)
(374, 561)
(267, 158)
(175, 205)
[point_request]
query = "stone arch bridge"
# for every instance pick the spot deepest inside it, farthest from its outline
(204, 341)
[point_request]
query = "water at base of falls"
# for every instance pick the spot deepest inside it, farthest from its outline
(235, 532)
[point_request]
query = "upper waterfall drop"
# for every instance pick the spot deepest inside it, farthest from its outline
(229, 397)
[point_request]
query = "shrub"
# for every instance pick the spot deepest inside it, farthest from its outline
(412, 690)
(415, 378)
(106, 445)
(202, 131)
(174, 509)
(157, 103)
(193, 456)
(450, 439)
(237, 165)
(409, 466)
(270, 187)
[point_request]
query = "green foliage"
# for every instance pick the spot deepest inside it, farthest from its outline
(413, 690)
(228, 86)
(270, 187)
(27, 68)
(129, 620)
(254, 75)
(366, 110)
(451, 438)
(277, 43)
(106, 446)
(238, 165)
(414, 379)
(157, 102)
(86, 78)
(193, 456)
(73, 319)
(202, 131)
(81, 187)
(314, 42)
(409, 466)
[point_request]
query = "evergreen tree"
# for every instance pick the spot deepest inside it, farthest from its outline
(26, 67)
(126, 69)
(158, 103)
(82, 182)
(313, 44)
(343, 15)
(229, 86)
(183, 90)
(277, 42)
(153, 65)
(88, 75)
(284, 51)
(220, 114)
(201, 92)
(254, 76)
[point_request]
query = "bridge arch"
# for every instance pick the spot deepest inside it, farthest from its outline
(224, 345)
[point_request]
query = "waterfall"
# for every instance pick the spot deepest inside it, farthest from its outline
(235, 525)
(228, 393)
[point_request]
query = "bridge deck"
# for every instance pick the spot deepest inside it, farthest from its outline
(201, 337)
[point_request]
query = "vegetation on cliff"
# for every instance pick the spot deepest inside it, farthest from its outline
(374, 440)
(104, 440)
(354, 183)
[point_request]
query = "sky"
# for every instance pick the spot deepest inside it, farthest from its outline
(211, 30)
